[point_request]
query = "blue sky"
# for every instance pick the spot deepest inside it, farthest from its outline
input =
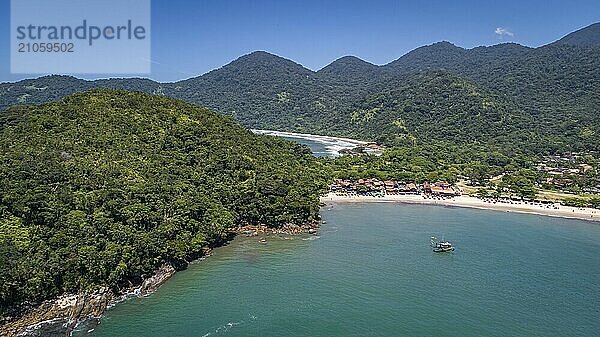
(190, 38)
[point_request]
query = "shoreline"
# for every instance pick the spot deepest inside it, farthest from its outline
(553, 210)
(255, 230)
(65, 313)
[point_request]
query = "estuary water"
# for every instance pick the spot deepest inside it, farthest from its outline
(321, 146)
(370, 272)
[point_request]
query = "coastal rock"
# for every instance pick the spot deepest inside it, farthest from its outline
(287, 229)
(58, 317)
(160, 276)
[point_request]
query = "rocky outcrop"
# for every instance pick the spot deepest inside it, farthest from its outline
(58, 317)
(253, 230)
(160, 276)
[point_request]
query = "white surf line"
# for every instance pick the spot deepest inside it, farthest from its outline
(333, 145)
(309, 136)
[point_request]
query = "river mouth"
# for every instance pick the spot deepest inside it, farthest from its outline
(320, 146)
(511, 274)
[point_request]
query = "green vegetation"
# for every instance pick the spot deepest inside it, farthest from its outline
(442, 162)
(480, 170)
(104, 186)
(577, 202)
(438, 107)
(425, 163)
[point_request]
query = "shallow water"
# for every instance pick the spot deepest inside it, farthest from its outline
(370, 272)
(319, 149)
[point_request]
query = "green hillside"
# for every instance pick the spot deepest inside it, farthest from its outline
(104, 186)
(437, 106)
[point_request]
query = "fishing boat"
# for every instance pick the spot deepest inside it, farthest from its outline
(441, 246)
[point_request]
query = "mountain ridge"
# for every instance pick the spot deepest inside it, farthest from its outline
(592, 29)
(555, 83)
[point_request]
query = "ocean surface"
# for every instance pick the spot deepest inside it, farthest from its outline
(370, 272)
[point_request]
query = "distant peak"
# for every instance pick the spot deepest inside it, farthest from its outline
(506, 47)
(263, 58)
(585, 37)
(58, 76)
(348, 65)
(352, 60)
(503, 44)
(445, 44)
(261, 54)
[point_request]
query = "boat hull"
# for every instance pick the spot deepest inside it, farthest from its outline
(442, 250)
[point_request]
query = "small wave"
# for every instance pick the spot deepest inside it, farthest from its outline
(311, 238)
(228, 326)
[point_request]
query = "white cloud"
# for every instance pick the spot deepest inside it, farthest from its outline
(503, 32)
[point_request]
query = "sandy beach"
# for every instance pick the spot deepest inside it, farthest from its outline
(326, 139)
(554, 210)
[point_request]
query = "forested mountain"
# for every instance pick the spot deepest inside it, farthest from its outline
(51, 88)
(557, 84)
(446, 56)
(438, 106)
(554, 87)
(104, 186)
(255, 87)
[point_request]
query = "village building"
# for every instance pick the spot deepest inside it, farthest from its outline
(373, 186)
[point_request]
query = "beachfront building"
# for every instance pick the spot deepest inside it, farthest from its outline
(440, 188)
(373, 186)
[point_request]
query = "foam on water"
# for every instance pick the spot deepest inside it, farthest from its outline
(228, 326)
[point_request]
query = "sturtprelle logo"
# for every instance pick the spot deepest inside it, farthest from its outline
(80, 36)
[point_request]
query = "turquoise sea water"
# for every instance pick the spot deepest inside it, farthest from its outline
(370, 272)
